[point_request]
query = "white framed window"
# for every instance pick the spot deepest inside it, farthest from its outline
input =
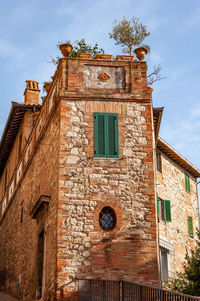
(166, 250)
(164, 262)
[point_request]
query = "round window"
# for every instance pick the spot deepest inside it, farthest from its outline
(107, 219)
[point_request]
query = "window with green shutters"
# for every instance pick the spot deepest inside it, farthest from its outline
(106, 135)
(190, 226)
(187, 182)
(164, 210)
(167, 208)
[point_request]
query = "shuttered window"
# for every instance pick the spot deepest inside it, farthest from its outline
(106, 135)
(190, 226)
(187, 182)
(167, 209)
(164, 210)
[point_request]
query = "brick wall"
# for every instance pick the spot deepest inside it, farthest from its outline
(18, 246)
(13, 159)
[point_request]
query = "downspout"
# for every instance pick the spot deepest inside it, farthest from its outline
(198, 204)
(155, 181)
(158, 236)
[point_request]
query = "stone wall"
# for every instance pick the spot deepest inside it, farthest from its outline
(171, 186)
(87, 184)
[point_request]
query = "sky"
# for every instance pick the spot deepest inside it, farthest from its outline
(30, 31)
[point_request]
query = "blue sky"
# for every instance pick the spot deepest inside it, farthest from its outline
(30, 30)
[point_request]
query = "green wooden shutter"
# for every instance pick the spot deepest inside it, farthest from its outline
(187, 182)
(167, 209)
(106, 135)
(112, 136)
(158, 209)
(99, 135)
(190, 226)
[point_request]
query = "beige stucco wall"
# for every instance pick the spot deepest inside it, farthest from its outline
(174, 235)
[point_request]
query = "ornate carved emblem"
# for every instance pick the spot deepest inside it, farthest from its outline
(104, 77)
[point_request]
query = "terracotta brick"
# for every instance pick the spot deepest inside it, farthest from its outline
(61, 165)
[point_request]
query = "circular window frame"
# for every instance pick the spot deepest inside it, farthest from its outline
(107, 219)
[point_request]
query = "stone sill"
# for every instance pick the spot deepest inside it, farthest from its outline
(102, 158)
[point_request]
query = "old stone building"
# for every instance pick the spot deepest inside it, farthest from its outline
(178, 208)
(77, 188)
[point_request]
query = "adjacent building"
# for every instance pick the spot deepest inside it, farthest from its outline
(79, 187)
(178, 208)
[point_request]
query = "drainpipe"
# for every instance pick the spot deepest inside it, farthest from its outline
(155, 181)
(198, 204)
(159, 259)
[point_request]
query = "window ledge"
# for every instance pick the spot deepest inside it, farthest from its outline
(103, 158)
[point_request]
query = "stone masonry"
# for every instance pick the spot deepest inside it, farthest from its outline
(87, 184)
(53, 188)
(174, 235)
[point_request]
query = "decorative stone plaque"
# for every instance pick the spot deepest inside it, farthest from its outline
(104, 77)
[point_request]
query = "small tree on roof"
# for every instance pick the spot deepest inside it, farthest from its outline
(129, 34)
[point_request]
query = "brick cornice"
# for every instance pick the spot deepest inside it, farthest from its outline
(103, 98)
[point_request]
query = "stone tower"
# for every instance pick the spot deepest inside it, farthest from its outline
(107, 218)
(79, 200)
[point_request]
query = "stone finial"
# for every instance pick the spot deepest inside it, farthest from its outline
(31, 93)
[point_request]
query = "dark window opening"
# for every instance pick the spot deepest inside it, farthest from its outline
(40, 260)
(158, 161)
(107, 219)
(22, 213)
(161, 210)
